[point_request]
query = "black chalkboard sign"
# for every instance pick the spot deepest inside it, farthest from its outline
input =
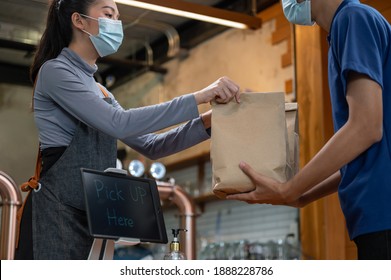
(121, 206)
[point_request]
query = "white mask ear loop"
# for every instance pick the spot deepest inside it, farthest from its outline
(87, 32)
(83, 15)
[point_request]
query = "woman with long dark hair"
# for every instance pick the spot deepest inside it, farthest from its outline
(79, 123)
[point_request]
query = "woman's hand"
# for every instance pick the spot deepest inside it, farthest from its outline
(222, 90)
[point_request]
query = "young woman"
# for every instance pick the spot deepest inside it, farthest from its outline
(79, 122)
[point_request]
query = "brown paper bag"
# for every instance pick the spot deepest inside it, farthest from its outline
(254, 131)
(292, 124)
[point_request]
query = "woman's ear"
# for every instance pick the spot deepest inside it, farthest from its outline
(77, 21)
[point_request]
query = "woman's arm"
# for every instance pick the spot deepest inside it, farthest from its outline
(207, 119)
(156, 146)
(84, 103)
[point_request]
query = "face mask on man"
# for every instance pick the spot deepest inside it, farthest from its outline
(298, 13)
(109, 38)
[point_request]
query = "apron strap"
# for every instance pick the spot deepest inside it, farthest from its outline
(103, 90)
(33, 182)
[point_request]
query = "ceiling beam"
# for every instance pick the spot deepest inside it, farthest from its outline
(127, 63)
(15, 45)
(14, 74)
(197, 12)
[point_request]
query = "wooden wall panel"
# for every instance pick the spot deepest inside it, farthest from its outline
(282, 33)
(323, 231)
(309, 97)
(380, 5)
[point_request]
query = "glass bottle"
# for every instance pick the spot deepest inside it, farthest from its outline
(175, 253)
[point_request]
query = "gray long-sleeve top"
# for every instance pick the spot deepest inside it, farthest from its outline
(67, 93)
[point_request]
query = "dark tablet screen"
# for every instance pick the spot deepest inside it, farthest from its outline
(121, 206)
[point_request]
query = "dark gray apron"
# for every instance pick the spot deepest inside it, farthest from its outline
(59, 221)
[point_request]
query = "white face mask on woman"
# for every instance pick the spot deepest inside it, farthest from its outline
(298, 13)
(109, 38)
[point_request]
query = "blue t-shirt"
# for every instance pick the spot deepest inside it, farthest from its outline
(360, 41)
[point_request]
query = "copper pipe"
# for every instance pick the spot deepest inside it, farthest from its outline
(186, 206)
(11, 201)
